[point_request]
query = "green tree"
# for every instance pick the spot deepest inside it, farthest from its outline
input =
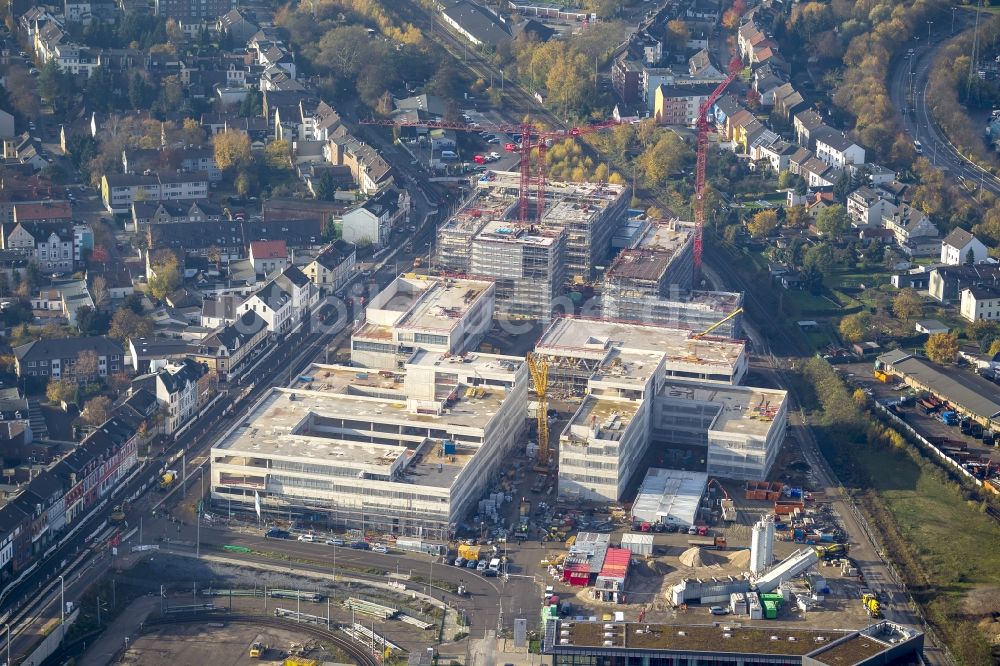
(994, 348)
(796, 217)
(277, 154)
(832, 221)
(942, 347)
(970, 257)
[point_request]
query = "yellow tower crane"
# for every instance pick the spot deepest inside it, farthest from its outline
(539, 369)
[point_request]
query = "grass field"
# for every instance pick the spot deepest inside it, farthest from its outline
(954, 550)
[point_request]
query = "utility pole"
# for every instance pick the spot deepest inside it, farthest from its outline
(62, 607)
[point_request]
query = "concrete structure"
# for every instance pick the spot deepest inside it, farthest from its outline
(528, 266)
(590, 213)
(419, 312)
(671, 497)
(406, 453)
(649, 388)
(980, 303)
(575, 643)
(659, 262)
(762, 545)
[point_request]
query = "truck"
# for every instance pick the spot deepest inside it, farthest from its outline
(949, 418)
(883, 376)
(871, 603)
(832, 551)
(418, 262)
(495, 564)
(709, 543)
(167, 479)
(525, 507)
(118, 514)
(468, 552)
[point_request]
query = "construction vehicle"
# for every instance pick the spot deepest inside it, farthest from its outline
(118, 514)
(871, 603)
(832, 551)
(258, 647)
(735, 313)
(539, 369)
(710, 543)
(418, 262)
(525, 507)
(884, 377)
(167, 479)
(949, 418)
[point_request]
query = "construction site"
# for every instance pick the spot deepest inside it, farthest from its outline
(584, 215)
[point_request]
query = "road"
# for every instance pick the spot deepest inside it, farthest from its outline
(864, 547)
(908, 83)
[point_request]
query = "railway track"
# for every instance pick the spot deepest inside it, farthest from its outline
(355, 651)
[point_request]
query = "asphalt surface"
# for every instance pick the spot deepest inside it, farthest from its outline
(908, 83)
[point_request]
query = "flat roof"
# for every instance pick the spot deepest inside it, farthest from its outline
(593, 338)
(966, 390)
(743, 410)
(669, 236)
(635, 264)
(607, 419)
(700, 638)
(848, 652)
(443, 302)
(508, 232)
(669, 496)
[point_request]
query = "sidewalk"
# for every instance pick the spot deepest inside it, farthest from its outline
(126, 625)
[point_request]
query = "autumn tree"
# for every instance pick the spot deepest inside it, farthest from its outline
(856, 327)
(278, 154)
(99, 291)
(796, 217)
(96, 410)
(763, 224)
(231, 149)
(664, 158)
(86, 366)
(166, 275)
(942, 347)
(127, 325)
(193, 133)
(907, 304)
(61, 390)
(677, 35)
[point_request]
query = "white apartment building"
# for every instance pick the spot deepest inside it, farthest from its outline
(423, 312)
(176, 389)
(407, 452)
(284, 301)
(120, 191)
(981, 302)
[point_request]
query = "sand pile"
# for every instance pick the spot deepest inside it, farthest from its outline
(740, 558)
(696, 557)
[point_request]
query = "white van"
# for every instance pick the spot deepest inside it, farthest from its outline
(495, 564)
(449, 155)
(918, 147)
(308, 538)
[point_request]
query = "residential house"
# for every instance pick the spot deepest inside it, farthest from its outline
(65, 297)
(626, 79)
(767, 79)
(120, 191)
(680, 104)
(980, 302)
(220, 310)
(229, 239)
(476, 23)
(149, 355)
(269, 256)
(54, 212)
(236, 25)
(57, 358)
(192, 10)
(333, 266)
(191, 158)
(914, 232)
(787, 101)
(229, 350)
(818, 173)
(179, 391)
(866, 207)
(370, 170)
(284, 301)
(371, 223)
(25, 149)
(959, 246)
(839, 151)
(809, 126)
(947, 282)
(53, 247)
(930, 327)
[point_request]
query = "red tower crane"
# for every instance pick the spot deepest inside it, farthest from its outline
(531, 138)
(703, 127)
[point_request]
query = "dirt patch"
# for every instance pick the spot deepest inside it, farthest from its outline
(740, 558)
(696, 557)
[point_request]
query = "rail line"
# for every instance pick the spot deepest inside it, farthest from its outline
(358, 653)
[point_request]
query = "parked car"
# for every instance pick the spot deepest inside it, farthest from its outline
(335, 542)
(718, 610)
(360, 545)
(472, 564)
(482, 565)
(308, 538)
(459, 562)
(489, 573)
(277, 534)
(380, 548)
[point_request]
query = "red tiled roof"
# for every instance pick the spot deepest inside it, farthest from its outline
(55, 210)
(275, 249)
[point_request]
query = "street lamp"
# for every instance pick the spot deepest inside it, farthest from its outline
(929, 24)
(8, 644)
(953, 19)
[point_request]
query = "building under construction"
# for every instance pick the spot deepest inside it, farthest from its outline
(527, 266)
(695, 310)
(577, 349)
(588, 214)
